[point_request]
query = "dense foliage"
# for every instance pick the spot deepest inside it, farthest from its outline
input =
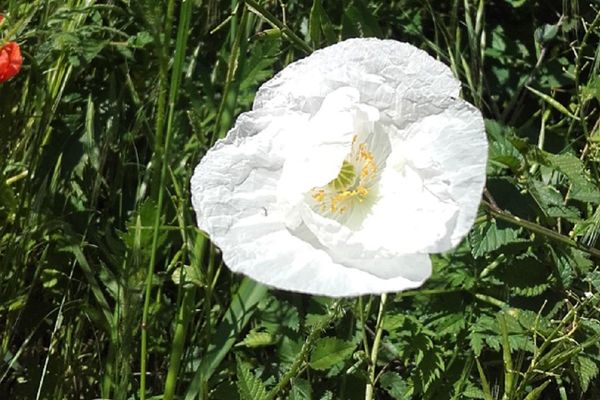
(107, 288)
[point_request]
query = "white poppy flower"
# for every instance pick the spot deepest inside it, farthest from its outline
(354, 164)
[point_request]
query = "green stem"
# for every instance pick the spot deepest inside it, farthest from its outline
(369, 390)
(230, 91)
(183, 317)
(162, 155)
(275, 22)
(586, 36)
(536, 228)
(306, 348)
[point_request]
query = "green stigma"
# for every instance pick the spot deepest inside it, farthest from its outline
(345, 178)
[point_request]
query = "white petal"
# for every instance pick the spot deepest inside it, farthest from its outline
(379, 69)
(316, 155)
(447, 148)
(429, 190)
(238, 177)
(283, 260)
(234, 192)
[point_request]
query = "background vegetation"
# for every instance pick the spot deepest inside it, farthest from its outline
(108, 290)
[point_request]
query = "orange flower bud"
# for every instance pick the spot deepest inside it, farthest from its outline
(10, 61)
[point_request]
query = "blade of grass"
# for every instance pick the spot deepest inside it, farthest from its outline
(176, 73)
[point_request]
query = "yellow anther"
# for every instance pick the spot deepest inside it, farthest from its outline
(352, 184)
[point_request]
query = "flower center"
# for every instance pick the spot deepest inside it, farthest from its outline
(353, 184)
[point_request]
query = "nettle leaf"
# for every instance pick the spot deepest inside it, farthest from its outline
(329, 351)
(589, 229)
(594, 279)
(277, 314)
(472, 392)
(502, 152)
(586, 370)
(301, 390)
(249, 386)
(430, 366)
(525, 276)
(583, 188)
(258, 66)
(485, 331)
(488, 237)
(257, 339)
(359, 20)
(396, 387)
(480, 331)
(319, 22)
(551, 202)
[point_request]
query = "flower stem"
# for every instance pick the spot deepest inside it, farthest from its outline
(536, 228)
(274, 21)
(369, 390)
(306, 347)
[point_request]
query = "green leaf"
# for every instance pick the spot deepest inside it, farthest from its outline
(329, 351)
(572, 167)
(551, 201)
(586, 370)
(359, 21)
(502, 152)
(396, 387)
(301, 390)
(545, 33)
(249, 386)
(536, 393)
(314, 23)
(488, 237)
(257, 339)
(258, 65)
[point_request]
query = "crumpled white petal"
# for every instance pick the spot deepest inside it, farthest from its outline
(378, 69)
(355, 163)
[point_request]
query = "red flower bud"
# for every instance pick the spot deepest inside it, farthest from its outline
(10, 61)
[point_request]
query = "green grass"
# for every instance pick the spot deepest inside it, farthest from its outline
(108, 289)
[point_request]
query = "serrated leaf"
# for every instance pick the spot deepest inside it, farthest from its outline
(502, 152)
(249, 386)
(359, 21)
(396, 387)
(586, 370)
(257, 339)
(572, 167)
(258, 66)
(594, 279)
(301, 390)
(551, 202)
(329, 351)
(488, 237)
